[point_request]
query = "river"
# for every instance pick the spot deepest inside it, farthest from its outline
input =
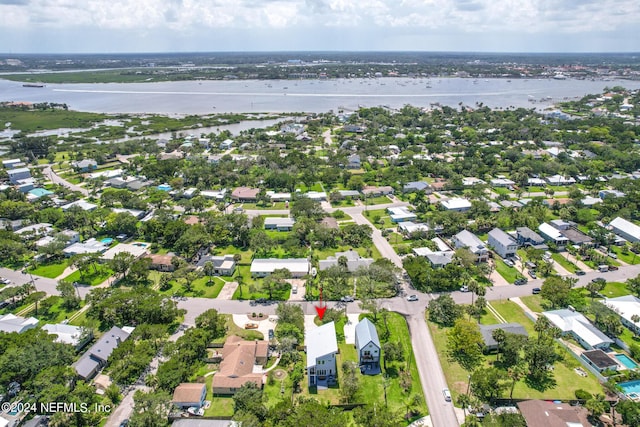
(245, 96)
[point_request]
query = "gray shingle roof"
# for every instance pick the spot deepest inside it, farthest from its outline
(365, 333)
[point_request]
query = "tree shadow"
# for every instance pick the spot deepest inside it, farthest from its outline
(541, 382)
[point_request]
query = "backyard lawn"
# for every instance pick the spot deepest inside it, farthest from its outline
(199, 288)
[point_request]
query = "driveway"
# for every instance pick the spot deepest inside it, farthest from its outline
(263, 325)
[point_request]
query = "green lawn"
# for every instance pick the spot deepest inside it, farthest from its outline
(92, 278)
(220, 406)
(380, 200)
(615, 289)
(56, 313)
(380, 214)
(51, 271)
(512, 313)
(534, 302)
(510, 274)
(628, 257)
(568, 265)
(199, 288)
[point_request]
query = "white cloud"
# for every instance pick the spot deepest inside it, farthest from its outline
(373, 19)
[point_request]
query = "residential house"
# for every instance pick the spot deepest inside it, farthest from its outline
(572, 323)
(625, 229)
(471, 181)
(437, 259)
(527, 237)
(278, 197)
(603, 194)
(353, 261)
(217, 195)
(414, 186)
(400, 214)
(547, 413)
(456, 204)
(12, 163)
(353, 162)
(536, 182)
(35, 230)
(262, 267)
(409, 227)
(370, 191)
(599, 360)
(89, 246)
(96, 357)
(556, 180)
(190, 193)
(502, 182)
(10, 224)
(318, 196)
(189, 395)
(590, 201)
(226, 144)
(504, 245)
(353, 128)
(353, 194)
(626, 307)
(69, 334)
(86, 165)
(239, 357)
(490, 344)
(468, 240)
(552, 234)
(322, 347)
(16, 175)
(223, 265)
(136, 249)
(11, 323)
(161, 262)
(245, 194)
(279, 224)
(368, 346)
(137, 184)
(82, 204)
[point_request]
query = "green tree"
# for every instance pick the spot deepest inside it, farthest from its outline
(68, 293)
(393, 352)
(212, 323)
(556, 290)
(464, 343)
(249, 399)
(596, 406)
(150, 409)
(488, 384)
(349, 383)
(444, 310)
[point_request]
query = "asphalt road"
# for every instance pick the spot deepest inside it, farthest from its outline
(56, 179)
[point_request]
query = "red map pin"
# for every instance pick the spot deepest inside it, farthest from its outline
(321, 307)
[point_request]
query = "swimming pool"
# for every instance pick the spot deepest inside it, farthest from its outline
(626, 361)
(107, 240)
(631, 387)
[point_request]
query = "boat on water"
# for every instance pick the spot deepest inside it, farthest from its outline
(33, 85)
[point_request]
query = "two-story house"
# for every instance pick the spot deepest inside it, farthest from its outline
(502, 243)
(322, 347)
(368, 346)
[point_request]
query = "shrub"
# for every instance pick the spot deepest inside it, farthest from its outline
(583, 394)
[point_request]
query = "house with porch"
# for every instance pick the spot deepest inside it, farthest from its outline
(578, 327)
(322, 347)
(368, 346)
(502, 243)
(468, 240)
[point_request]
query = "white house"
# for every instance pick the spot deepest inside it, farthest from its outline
(456, 204)
(354, 261)
(400, 214)
(625, 229)
(368, 346)
(552, 234)
(468, 240)
(262, 267)
(560, 180)
(502, 243)
(626, 307)
(575, 324)
(279, 224)
(18, 174)
(322, 347)
(408, 227)
(69, 334)
(12, 323)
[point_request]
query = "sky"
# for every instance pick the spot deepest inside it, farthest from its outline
(119, 26)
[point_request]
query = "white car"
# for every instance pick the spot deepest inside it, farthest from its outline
(5, 281)
(464, 288)
(412, 298)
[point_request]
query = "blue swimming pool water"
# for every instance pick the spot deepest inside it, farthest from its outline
(631, 386)
(626, 361)
(107, 240)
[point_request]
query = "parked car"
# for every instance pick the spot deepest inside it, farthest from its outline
(530, 265)
(294, 289)
(580, 273)
(464, 288)
(613, 268)
(446, 394)
(521, 281)
(509, 262)
(612, 255)
(347, 298)
(5, 281)
(532, 274)
(598, 280)
(412, 298)
(271, 335)
(603, 268)
(251, 326)
(535, 290)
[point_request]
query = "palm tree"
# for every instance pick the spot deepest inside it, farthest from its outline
(515, 373)
(635, 319)
(499, 335)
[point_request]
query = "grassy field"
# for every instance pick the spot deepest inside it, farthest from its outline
(534, 302)
(615, 289)
(568, 265)
(32, 121)
(628, 257)
(92, 278)
(199, 288)
(51, 271)
(510, 274)
(382, 215)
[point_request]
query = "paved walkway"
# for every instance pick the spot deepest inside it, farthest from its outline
(560, 269)
(497, 279)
